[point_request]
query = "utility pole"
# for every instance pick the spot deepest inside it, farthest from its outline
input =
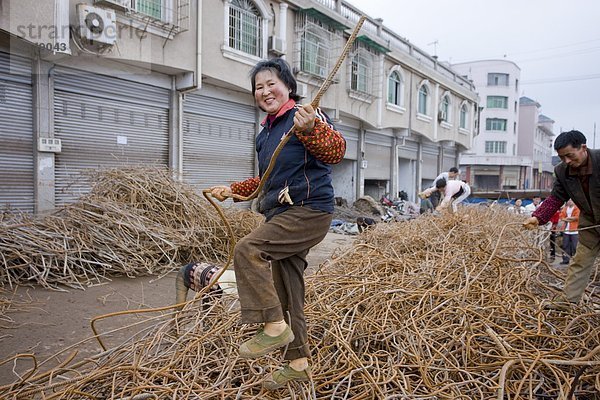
(594, 135)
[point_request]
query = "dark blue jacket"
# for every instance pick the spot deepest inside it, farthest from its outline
(308, 179)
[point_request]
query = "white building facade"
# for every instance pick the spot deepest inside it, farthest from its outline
(495, 161)
(536, 136)
(168, 84)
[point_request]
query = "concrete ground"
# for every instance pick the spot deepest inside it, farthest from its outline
(47, 321)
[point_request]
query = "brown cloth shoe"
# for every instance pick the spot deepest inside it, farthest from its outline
(282, 377)
(262, 343)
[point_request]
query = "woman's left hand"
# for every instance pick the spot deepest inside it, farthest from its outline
(304, 119)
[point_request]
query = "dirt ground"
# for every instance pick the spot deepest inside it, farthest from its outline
(45, 322)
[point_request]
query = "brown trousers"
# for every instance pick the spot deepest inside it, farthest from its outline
(579, 271)
(269, 270)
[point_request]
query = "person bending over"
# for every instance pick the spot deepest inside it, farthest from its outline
(453, 193)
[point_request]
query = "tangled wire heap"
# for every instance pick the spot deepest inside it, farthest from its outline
(447, 307)
(134, 221)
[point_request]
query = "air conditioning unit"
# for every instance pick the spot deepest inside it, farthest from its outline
(277, 45)
(302, 90)
(97, 24)
(442, 116)
(118, 4)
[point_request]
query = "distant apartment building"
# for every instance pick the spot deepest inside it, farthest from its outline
(509, 151)
(536, 135)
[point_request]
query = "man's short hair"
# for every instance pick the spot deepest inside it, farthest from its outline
(573, 138)
(440, 183)
(453, 169)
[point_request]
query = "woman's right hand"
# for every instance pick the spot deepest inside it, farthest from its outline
(220, 193)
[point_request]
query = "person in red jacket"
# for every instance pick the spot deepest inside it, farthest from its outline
(569, 214)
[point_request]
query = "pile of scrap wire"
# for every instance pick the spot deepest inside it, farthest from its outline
(440, 307)
(134, 221)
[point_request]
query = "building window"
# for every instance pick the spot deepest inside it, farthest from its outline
(445, 109)
(497, 102)
(423, 99)
(152, 8)
(245, 33)
(360, 73)
(315, 45)
(395, 88)
(497, 79)
(463, 116)
(495, 147)
(495, 124)
(158, 10)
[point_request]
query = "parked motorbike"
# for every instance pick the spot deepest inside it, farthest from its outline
(398, 209)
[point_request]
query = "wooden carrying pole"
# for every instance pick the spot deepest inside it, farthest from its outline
(285, 138)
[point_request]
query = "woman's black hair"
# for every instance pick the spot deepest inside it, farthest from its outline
(280, 67)
(573, 138)
(440, 183)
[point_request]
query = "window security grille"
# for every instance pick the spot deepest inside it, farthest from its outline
(361, 70)
(314, 47)
(152, 8)
(315, 50)
(245, 33)
(170, 15)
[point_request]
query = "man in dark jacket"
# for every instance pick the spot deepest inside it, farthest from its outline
(577, 178)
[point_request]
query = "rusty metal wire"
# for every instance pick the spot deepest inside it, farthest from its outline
(11, 303)
(135, 221)
(448, 307)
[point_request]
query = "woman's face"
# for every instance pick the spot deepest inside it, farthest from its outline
(270, 92)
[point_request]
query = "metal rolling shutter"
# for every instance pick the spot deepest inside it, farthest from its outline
(351, 136)
(408, 149)
(429, 163)
(378, 153)
(105, 122)
(218, 141)
(16, 134)
(449, 159)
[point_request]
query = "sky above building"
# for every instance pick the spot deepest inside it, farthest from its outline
(556, 44)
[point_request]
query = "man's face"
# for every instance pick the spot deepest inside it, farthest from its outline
(573, 156)
(537, 200)
(452, 175)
